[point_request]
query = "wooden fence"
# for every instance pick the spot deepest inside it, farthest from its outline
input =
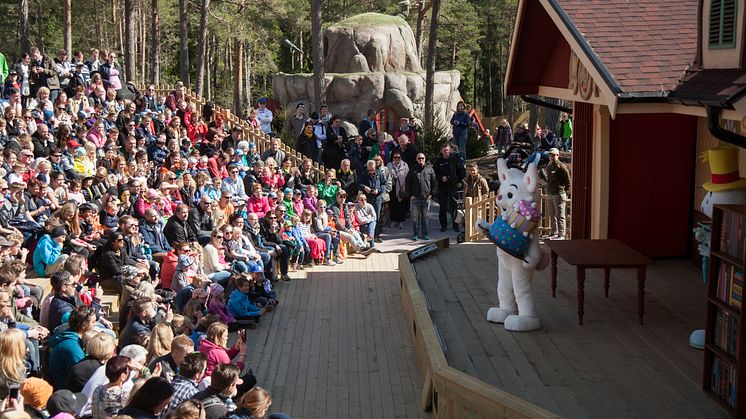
(486, 209)
(448, 392)
(249, 133)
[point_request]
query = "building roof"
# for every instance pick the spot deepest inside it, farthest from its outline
(646, 45)
(711, 86)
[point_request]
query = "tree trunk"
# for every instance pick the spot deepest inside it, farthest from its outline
(24, 39)
(430, 76)
(40, 28)
(420, 27)
(238, 80)
(511, 107)
(67, 26)
(247, 74)
(183, 42)
(155, 34)
(129, 40)
(318, 54)
(202, 47)
(208, 70)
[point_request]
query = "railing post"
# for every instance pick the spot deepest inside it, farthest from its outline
(469, 218)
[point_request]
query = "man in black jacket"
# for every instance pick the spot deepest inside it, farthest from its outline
(177, 230)
(449, 169)
(200, 220)
(421, 184)
(373, 184)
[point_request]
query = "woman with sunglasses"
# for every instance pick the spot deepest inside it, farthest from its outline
(112, 261)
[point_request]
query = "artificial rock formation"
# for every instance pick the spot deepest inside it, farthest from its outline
(371, 62)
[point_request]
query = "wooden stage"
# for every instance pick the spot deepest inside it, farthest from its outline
(610, 367)
(337, 345)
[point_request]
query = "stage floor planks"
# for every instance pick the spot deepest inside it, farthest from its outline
(337, 345)
(611, 367)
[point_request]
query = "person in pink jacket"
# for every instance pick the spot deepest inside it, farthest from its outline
(214, 346)
(258, 204)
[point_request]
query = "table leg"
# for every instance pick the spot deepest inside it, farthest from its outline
(581, 293)
(554, 274)
(641, 271)
(607, 273)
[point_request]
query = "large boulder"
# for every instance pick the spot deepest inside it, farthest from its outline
(351, 95)
(372, 63)
(371, 42)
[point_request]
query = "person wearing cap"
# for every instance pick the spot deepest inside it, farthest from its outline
(264, 116)
(558, 184)
(48, 258)
(65, 401)
(36, 393)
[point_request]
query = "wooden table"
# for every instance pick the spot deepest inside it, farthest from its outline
(599, 254)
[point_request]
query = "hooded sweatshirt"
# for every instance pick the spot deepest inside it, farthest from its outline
(217, 355)
(46, 253)
(240, 306)
(66, 350)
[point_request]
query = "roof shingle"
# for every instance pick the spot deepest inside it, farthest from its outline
(646, 45)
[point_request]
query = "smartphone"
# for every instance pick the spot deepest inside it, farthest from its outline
(14, 390)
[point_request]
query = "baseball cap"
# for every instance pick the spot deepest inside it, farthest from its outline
(238, 152)
(255, 267)
(553, 151)
(262, 100)
(287, 191)
(73, 144)
(65, 401)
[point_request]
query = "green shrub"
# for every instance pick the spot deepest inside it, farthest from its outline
(476, 147)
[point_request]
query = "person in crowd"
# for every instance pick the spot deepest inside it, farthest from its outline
(178, 229)
(186, 383)
(112, 261)
(224, 386)
(274, 151)
(558, 185)
(461, 121)
(13, 362)
(143, 317)
(99, 349)
(398, 201)
(150, 400)
(159, 343)
(255, 404)
(504, 135)
(170, 363)
(564, 132)
(334, 146)
(297, 121)
(66, 348)
(475, 185)
(36, 394)
(421, 185)
(110, 398)
(48, 256)
(264, 116)
(449, 170)
(373, 184)
(64, 402)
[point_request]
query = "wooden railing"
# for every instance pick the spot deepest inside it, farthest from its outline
(486, 209)
(448, 392)
(249, 133)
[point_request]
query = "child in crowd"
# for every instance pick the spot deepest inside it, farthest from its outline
(292, 228)
(239, 305)
(217, 305)
(316, 245)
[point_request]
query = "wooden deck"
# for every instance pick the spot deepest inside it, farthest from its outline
(610, 367)
(337, 345)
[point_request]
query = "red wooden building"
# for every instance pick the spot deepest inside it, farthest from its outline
(646, 77)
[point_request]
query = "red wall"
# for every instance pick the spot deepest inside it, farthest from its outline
(651, 182)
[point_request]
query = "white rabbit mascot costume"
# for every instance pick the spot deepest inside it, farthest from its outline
(518, 249)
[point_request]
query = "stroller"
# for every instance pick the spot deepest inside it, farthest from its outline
(459, 216)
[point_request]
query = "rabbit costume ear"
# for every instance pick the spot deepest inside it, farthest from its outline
(530, 178)
(502, 170)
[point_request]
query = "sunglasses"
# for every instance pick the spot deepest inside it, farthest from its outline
(119, 240)
(219, 237)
